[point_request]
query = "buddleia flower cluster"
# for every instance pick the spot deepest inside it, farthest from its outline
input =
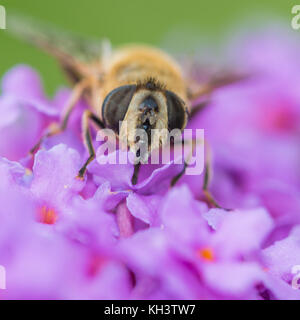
(104, 238)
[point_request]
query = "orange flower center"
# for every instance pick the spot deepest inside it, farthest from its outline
(206, 254)
(47, 215)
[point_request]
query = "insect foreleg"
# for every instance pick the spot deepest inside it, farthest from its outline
(135, 175)
(55, 128)
(87, 138)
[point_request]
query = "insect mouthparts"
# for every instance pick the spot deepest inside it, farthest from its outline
(149, 108)
(146, 125)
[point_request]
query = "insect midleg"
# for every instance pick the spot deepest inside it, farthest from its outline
(178, 176)
(55, 128)
(182, 172)
(214, 83)
(87, 138)
(207, 176)
(198, 108)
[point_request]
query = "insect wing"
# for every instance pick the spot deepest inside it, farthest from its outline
(72, 51)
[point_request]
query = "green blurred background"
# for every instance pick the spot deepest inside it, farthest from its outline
(152, 21)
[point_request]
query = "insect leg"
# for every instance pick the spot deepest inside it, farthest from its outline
(207, 176)
(198, 108)
(214, 83)
(135, 175)
(55, 128)
(87, 138)
(182, 172)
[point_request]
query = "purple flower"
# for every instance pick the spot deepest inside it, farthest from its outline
(105, 238)
(56, 258)
(258, 122)
(220, 263)
(283, 255)
(58, 187)
(25, 112)
(154, 178)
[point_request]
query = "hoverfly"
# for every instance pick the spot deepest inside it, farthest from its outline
(137, 83)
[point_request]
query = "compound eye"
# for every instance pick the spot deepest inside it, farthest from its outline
(116, 104)
(176, 111)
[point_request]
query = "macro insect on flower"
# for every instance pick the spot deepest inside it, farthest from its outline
(102, 237)
(130, 90)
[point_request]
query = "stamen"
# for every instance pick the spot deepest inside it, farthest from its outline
(206, 254)
(28, 172)
(47, 215)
